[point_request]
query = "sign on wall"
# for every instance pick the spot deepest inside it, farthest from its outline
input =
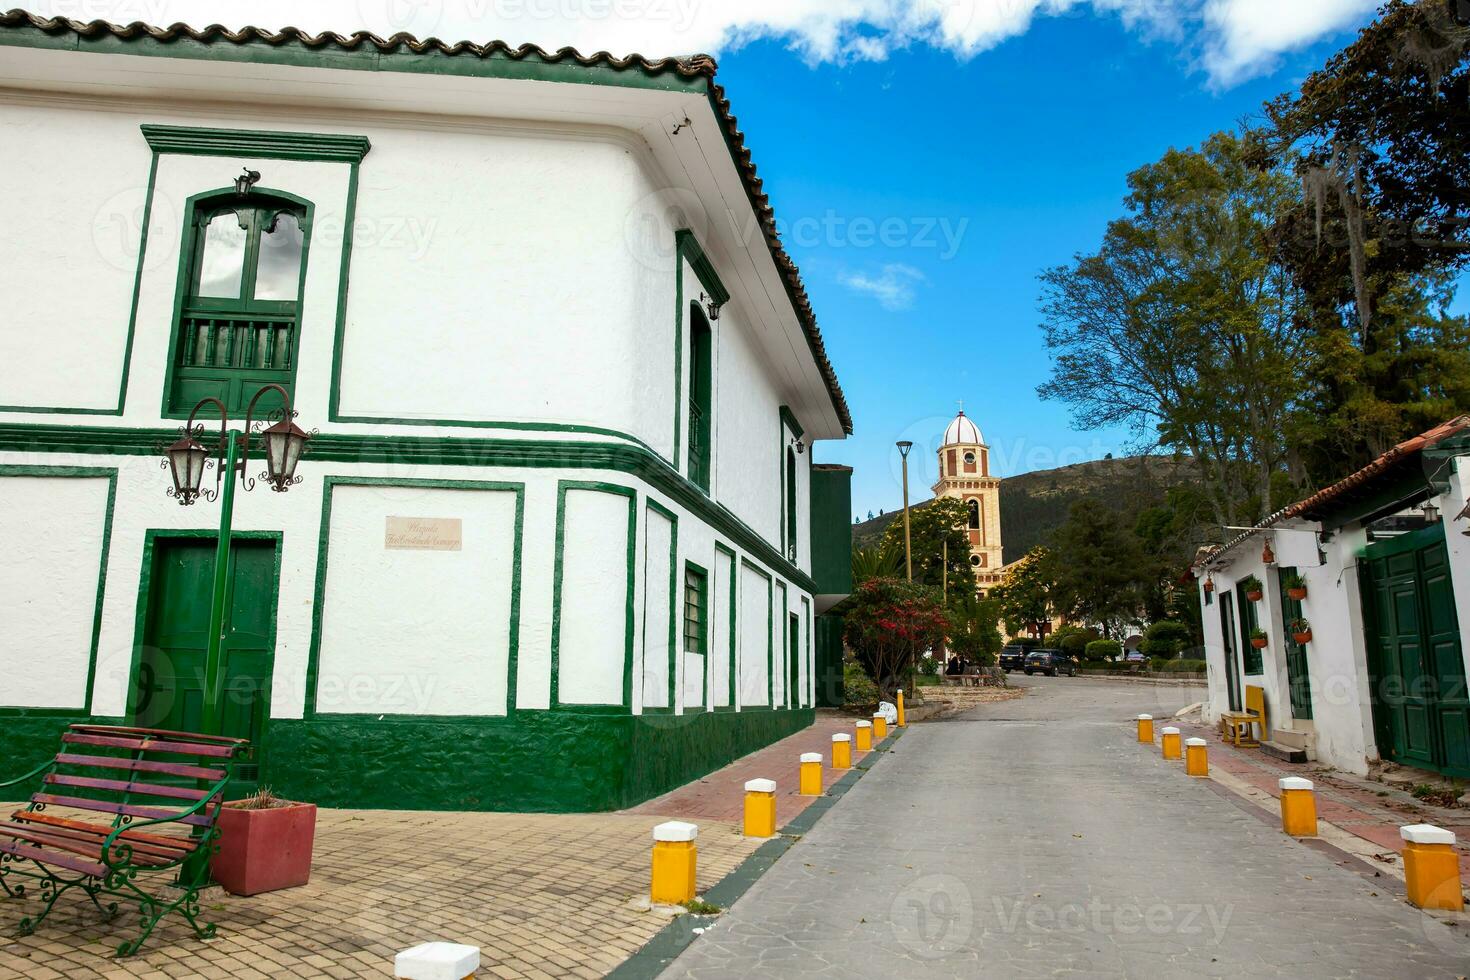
(423, 533)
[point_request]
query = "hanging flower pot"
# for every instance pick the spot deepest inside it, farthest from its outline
(1301, 631)
(1260, 640)
(1254, 590)
(1210, 584)
(1295, 585)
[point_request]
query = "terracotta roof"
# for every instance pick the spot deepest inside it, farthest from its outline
(688, 66)
(1322, 499)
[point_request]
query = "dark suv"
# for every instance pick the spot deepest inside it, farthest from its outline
(1051, 663)
(1013, 658)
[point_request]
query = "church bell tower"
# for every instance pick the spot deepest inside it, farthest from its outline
(964, 473)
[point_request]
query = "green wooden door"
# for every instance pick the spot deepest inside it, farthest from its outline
(1421, 710)
(170, 682)
(1297, 677)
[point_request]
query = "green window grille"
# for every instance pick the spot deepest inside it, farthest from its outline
(239, 313)
(696, 610)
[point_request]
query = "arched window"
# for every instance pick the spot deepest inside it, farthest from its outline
(240, 304)
(701, 389)
(974, 507)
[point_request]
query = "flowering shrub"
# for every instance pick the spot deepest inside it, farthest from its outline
(888, 626)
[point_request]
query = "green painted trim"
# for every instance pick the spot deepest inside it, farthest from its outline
(789, 419)
(329, 484)
(810, 694)
(688, 246)
(420, 450)
(185, 284)
(487, 62)
(562, 487)
(79, 472)
(673, 519)
(785, 644)
(279, 144)
(734, 576)
(1424, 537)
(770, 634)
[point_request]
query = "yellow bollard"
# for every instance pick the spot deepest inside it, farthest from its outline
(880, 728)
(842, 751)
(1196, 762)
(811, 774)
(1146, 729)
(1432, 868)
(1298, 806)
(901, 722)
(760, 808)
(865, 736)
(674, 859)
(1171, 744)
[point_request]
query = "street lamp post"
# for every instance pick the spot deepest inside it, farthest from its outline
(186, 461)
(908, 558)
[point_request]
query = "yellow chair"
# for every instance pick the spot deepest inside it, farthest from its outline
(1235, 726)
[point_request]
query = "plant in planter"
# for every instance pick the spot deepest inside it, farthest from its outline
(265, 844)
(1301, 631)
(1254, 590)
(1295, 585)
(1259, 639)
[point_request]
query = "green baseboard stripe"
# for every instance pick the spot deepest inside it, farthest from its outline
(674, 938)
(534, 761)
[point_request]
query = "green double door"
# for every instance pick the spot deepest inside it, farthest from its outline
(169, 687)
(1421, 709)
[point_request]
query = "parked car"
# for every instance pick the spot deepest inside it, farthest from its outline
(1051, 663)
(1013, 658)
(1135, 657)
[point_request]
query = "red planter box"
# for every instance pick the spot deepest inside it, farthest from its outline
(264, 850)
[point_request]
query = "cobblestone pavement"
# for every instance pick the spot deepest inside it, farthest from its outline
(1035, 837)
(544, 895)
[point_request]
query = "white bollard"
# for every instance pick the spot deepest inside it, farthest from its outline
(437, 961)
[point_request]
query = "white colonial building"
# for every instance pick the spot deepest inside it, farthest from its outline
(552, 544)
(1355, 598)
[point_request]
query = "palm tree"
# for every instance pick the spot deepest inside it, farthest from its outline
(875, 562)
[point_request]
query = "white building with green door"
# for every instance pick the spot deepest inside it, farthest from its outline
(552, 542)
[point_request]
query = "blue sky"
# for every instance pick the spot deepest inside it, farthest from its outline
(926, 160)
(1026, 147)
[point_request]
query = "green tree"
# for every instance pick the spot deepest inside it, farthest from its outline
(974, 631)
(1025, 598)
(875, 562)
(932, 527)
(1182, 325)
(1097, 568)
(1073, 640)
(888, 626)
(1167, 639)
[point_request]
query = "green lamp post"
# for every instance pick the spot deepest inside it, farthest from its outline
(186, 460)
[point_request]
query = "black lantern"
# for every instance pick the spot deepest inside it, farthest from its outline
(284, 442)
(248, 179)
(186, 459)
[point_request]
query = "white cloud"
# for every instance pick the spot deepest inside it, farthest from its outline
(893, 287)
(1231, 39)
(1244, 37)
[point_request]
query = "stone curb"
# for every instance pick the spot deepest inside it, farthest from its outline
(666, 945)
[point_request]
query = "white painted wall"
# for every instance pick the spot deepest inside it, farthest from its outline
(51, 537)
(417, 632)
(723, 579)
(755, 626)
(592, 648)
(658, 535)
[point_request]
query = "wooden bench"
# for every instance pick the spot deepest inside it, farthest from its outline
(1236, 725)
(132, 779)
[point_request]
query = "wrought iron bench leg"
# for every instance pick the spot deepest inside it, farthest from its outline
(51, 888)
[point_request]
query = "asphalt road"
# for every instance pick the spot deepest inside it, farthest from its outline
(1035, 837)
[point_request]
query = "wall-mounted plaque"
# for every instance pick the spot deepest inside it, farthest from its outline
(423, 534)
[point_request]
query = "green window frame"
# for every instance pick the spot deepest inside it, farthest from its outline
(237, 313)
(696, 609)
(701, 392)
